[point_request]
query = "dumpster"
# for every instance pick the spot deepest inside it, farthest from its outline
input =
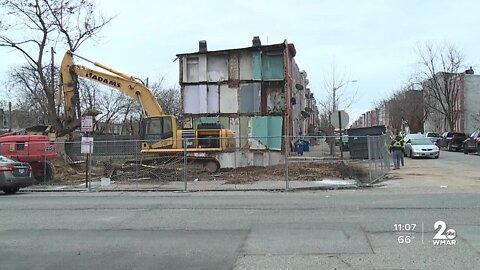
(299, 148)
(306, 146)
(357, 140)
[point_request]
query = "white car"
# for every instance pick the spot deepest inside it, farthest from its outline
(421, 147)
(433, 136)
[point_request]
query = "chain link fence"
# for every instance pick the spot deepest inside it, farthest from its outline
(245, 163)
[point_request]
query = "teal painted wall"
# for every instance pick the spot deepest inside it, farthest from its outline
(250, 98)
(268, 130)
(272, 67)
(257, 65)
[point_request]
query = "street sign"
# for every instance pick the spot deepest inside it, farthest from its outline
(86, 146)
(86, 123)
(340, 117)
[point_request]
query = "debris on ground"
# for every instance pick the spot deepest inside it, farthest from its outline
(174, 171)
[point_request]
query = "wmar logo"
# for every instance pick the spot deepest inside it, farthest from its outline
(443, 237)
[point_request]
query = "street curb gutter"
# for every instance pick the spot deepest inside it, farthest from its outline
(196, 190)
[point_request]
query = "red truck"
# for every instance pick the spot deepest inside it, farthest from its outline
(37, 150)
(472, 143)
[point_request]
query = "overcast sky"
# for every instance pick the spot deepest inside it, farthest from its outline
(372, 42)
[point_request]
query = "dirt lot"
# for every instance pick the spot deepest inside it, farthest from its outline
(306, 171)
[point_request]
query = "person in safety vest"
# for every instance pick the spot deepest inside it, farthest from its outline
(396, 148)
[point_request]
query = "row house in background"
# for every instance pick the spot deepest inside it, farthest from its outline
(404, 112)
(258, 92)
(413, 119)
(469, 102)
(367, 119)
(466, 108)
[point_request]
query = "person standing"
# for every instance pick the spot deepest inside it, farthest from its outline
(396, 148)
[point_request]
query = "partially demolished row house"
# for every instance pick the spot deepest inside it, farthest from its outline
(246, 90)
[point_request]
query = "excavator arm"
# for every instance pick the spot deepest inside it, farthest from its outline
(69, 73)
(159, 135)
(158, 127)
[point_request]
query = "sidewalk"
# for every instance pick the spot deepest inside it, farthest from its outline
(201, 186)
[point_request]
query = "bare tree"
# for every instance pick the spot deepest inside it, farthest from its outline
(169, 98)
(406, 108)
(118, 109)
(29, 96)
(335, 96)
(440, 65)
(32, 27)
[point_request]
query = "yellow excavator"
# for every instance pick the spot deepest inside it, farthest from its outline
(160, 134)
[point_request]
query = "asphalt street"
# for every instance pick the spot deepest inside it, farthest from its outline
(350, 229)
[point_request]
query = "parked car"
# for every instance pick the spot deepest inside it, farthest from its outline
(14, 175)
(453, 140)
(415, 136)
(472, 143)
(421, 147)
(433, 136)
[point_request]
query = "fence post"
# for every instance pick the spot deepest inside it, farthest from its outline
(237, 142)
(369, 158)
(90, 167)
(286, 163)
(382, 154)
(375, 155)
(185, 164)
(45, 165)
(138, 161)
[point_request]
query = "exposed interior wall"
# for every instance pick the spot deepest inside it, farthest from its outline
(471, 101)
(246, 91)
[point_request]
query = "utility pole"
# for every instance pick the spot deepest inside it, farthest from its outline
(52, 73)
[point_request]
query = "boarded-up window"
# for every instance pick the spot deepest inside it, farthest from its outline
(212, 99)
(257, 65)
(217, 68)
(200, 99)
(228, 99)
(268, 130)
(246, 66)
(250, 98)
(192, 69)
(272, 66)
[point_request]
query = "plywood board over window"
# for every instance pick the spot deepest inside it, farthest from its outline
(217, 68)
(213, 98)
(246, 66)
(228, 99)
(195, 69)
(195, 99)
(257, 65)
(250, 98)
(272, 66)
(201, 98)
(191, 65)
(268, 130)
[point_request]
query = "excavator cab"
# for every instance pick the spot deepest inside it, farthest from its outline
(159, 132)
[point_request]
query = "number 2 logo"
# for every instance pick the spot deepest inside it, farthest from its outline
(441, 226)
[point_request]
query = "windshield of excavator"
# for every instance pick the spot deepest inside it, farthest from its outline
(155, 128)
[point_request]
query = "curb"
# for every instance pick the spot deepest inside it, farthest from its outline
(195, 190)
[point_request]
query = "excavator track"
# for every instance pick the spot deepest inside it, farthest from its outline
(207, 164)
